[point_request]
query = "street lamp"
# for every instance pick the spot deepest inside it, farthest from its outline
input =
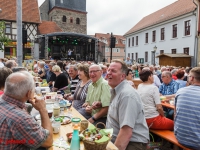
(154, 55)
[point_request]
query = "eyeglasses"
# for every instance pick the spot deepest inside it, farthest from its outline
(93, 71)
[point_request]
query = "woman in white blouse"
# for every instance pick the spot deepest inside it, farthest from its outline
(151, 102)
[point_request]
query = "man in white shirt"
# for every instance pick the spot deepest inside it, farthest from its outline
(128, 61)
(1, 63)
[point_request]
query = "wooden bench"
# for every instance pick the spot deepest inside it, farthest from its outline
(169, 136)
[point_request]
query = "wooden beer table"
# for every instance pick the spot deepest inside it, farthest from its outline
(64, 129)
(166, 104)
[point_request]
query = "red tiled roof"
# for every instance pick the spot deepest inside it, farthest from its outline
(30, 10)
(48, 27)
(119, 38)
(173, 10)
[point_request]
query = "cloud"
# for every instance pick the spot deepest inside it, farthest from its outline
(117, 16)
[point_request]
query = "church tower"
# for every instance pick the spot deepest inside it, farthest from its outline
(69, 15)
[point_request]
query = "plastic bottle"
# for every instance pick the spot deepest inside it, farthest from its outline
(75, 142)
(56, 106)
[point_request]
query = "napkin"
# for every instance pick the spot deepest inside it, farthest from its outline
(61, 144)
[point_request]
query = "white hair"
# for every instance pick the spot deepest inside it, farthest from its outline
(19, 88)
(95, 65)
(42, 63)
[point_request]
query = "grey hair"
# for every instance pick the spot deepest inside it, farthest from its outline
(10, 64)
(42, 63)
(19, 88)
(174, 71)
(74, 67)
(168, 73)
(95, 65)
(52, 64)
(163, 68)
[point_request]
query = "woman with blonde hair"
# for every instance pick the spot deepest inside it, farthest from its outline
(61, 81)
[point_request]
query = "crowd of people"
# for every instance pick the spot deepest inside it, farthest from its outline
(105, 93)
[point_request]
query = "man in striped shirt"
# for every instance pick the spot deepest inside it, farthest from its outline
(187, 112)
(73, 73)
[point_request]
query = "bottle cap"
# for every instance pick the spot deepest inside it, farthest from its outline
(76, 127)
(57, 119)
(76, 120)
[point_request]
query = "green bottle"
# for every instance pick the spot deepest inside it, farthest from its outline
(75, 142)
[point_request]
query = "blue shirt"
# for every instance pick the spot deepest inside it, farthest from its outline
(128, 62)
(181, 83)
(187, 119)
(169, 89)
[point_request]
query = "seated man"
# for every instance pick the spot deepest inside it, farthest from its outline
(98, 96)
(168, 88)
(187, 106)
(18, 129)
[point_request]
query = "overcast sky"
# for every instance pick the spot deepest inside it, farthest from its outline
(118, 16)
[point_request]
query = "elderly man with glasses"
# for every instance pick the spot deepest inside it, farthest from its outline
(168, 88)
(98, 96)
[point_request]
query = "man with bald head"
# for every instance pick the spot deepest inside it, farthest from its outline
(18, 129)
(98, 96)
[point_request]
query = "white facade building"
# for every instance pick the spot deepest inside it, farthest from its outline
(173, 36)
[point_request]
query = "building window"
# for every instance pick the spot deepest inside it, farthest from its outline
(8, 29)
(146, 37)
(129, 42)
(146, 56)
(64, 19)
(186, 50)
(136, 57)
(153, 36)
(107, 50)
(132, 41)
(77, 21)
(174, 31)
(71, 20)
(116, 50)
(132, 57)
(173, 51)
(61, 1)
(129, 55)
(161, 51)
(136, 40)
(187, 27)
(162, 36)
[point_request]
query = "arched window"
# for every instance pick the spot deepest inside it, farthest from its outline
(77, 21)
(64, 19)
(71, 20)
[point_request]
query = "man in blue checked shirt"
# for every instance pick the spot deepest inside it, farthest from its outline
(168, 88)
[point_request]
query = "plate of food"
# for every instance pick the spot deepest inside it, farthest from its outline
(64, 119)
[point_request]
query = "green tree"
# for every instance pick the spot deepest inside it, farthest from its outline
(3, 39)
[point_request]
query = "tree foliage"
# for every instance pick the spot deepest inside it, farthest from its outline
(3, 39)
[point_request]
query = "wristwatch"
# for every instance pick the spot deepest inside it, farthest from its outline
(93, 118)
